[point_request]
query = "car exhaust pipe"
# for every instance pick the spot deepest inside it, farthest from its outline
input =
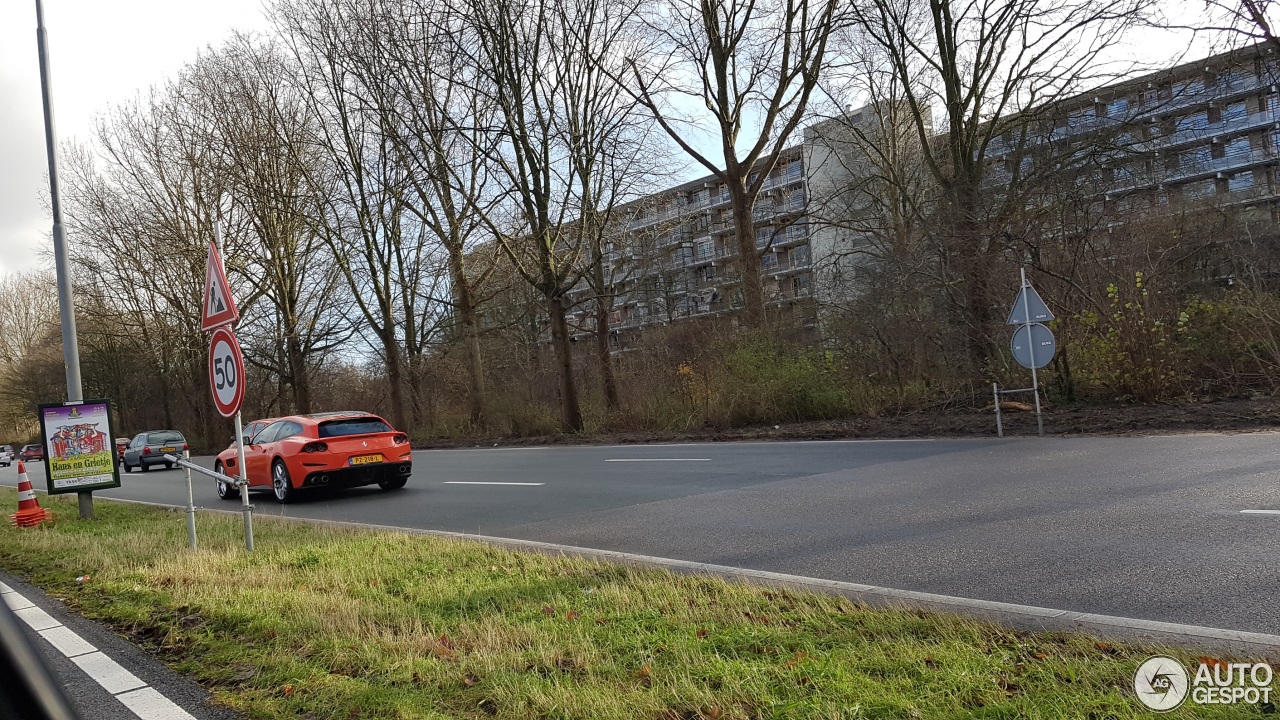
(404, 469)
(324, 479)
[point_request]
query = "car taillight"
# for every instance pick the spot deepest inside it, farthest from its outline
(400, 439)
(146, 449)
(186, 446)
(315, 447)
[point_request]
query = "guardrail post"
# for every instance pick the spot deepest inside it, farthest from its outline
(191, 504)
(995, 393)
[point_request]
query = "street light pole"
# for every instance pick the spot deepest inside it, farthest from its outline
(66, 305)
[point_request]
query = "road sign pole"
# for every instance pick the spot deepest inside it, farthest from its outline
(61, 261)
(191, 505)
(995, 393)
(1031, 348)
(244, 486)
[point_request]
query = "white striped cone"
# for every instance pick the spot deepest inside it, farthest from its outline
(29, 511)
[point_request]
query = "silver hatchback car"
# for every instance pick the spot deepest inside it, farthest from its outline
(149, 448)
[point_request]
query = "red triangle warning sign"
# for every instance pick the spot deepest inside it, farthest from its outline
(219, 308)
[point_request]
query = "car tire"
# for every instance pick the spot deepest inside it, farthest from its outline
(168, 466)
(281, 484)
(225, 491)
(395, 484)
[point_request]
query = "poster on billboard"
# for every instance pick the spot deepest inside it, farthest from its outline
(79, 446)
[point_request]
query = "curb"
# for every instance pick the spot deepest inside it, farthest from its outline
(1023, 617)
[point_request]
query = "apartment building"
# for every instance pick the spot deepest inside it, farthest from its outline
(675, 256)
(1206, 131)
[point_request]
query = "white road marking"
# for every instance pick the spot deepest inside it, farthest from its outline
(1261, 512)
(17, 602)
(658, 460)
(149, 704)
(468, 482)
(35, 617)
(143, 700)
(108, 673)
(67, 642)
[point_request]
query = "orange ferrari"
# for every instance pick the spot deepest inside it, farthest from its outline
(336, 449)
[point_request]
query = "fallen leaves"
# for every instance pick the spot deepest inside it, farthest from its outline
(645, 675)
(549, 611)
(470, 680)
(572, 615)
(799, 657)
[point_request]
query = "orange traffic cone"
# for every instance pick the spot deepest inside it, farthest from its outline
(29, 512)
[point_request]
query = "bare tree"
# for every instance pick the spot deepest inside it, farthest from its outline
(752, 66)
(987, 66)
(439, 125)
(376, 240)
(566, 141)
(262, 126)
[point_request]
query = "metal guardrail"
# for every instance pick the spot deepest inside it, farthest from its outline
(241, 484)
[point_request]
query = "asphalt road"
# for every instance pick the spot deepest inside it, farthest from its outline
(1146, 528)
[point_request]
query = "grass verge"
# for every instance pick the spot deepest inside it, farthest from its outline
(325, 622)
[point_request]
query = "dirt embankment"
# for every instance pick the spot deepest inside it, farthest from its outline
(1218, 416)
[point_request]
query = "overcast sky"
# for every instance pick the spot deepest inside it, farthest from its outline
(104, 52)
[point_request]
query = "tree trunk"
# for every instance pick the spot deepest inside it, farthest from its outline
(395, 379)
(471, 338)
(604, 350)
(298, 374)
(571, 411)
(748, 257)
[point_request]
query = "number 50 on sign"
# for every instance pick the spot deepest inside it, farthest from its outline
(226, 372)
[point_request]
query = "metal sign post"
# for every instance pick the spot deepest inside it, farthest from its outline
(1033, 345)
(246, 508)
(226, 364)
(191, 505)
(1031, 350)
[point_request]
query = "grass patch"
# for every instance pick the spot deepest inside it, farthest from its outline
(324, 622)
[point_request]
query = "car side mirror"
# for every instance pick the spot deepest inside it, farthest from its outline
(248, 440)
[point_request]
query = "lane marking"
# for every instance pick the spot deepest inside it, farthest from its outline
(477, 482)
(148, 704)
(143, 700)
(67, 642)
(658, 460)
(1261, 512)
(110, 675)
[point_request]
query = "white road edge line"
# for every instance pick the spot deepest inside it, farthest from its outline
(143, 700)
(1261, 512)
(477, 482)
(658, 460)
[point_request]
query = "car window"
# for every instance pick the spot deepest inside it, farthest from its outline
(268, 434)
(166, 436)
(137, 441)
(353, 426)
(289, 430)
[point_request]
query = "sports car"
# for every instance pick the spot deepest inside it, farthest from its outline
(335, 449)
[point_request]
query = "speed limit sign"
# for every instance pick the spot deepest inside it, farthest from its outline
(226, 372)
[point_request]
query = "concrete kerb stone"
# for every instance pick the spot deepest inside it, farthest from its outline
(1019, 617)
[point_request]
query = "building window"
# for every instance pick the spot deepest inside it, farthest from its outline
(1238, 148)
(1240, 181)
(1235, 112)
(1118, 109)
(1199, 189)
(1194, 121)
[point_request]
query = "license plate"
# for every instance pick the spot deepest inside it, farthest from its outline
(366, 459)
(167, 449)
